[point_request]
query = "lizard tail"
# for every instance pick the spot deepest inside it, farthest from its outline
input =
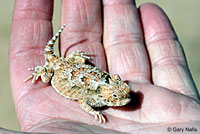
(50, 45)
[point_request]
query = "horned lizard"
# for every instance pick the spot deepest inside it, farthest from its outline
(72, 78)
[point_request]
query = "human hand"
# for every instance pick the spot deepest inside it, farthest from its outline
(143, 49)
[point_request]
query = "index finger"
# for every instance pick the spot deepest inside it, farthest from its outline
(169, 65)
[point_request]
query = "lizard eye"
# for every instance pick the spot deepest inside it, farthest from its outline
(115, 96)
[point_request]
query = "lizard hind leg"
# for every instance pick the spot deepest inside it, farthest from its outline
(40, 71)
(79, 56)
(43, 71)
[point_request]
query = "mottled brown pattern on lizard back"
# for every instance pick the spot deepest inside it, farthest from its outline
(72, 78)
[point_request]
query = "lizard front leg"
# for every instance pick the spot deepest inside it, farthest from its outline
(90, 110)
(40, 71)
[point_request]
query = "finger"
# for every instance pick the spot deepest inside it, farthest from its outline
(123, 41)
(83, 29)
(31, 29)
(169, 67)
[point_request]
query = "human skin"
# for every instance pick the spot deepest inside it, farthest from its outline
(139, 44)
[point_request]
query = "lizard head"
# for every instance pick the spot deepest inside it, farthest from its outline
(116, 93)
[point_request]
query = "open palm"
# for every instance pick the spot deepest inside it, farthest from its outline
(138, 44)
